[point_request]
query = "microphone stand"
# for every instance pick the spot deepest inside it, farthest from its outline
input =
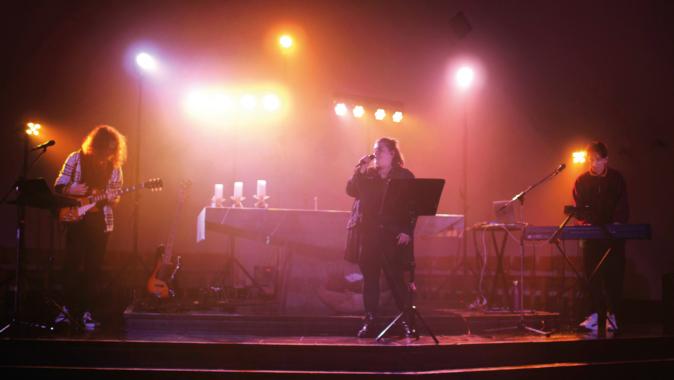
(520, 197)
(21, 237)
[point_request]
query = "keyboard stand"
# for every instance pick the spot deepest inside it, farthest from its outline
(584, 280)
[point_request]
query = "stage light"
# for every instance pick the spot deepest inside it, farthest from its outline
(464, 77)
(208, 103)
(33, 129)
(380, 114)
(146, 62)
(579, 157)
(340, 109)
(358, 111)
(271, 102)
(397, 117)
(285, 41)
(248, 102)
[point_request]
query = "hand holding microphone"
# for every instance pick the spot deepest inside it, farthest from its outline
(364, 162)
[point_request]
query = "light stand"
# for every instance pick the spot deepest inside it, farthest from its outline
(136, 198)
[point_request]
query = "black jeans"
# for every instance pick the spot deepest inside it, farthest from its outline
(86, 243)
(381, 253)
(606, 287)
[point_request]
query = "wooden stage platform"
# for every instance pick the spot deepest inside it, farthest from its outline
(191, 345)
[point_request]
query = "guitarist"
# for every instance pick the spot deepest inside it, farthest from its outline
(96, 167)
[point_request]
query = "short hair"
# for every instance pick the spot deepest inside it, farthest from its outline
(597, 147)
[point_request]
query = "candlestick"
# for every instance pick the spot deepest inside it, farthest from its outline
(261, 188)
(238, 197)
(217, 200)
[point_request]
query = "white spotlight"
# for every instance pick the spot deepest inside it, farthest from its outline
(464, 77)
(146, 62)
(248, 102)
(358, 111)
(271, 102)
(340, 109)
(380, 114)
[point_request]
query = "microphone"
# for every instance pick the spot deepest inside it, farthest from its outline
(366, 158)
(44, 145)
(560, 168)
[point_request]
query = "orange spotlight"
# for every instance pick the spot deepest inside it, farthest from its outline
(579, 157)
(358, 111)
(33, 129)
(380, 114)
(340, 109)
(285, 41)
(397, 117)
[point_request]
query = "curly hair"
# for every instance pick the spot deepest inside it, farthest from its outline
(108, 141)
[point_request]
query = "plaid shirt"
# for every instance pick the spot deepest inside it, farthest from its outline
(71, 172)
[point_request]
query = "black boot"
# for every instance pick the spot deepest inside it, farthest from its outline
(367, 326)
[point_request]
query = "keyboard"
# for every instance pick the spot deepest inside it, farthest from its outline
(608, 231)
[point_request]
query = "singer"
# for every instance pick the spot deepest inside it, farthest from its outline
(602, 193)
(382, 244)
(97, 165)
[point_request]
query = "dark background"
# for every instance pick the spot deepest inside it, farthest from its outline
(552, 77)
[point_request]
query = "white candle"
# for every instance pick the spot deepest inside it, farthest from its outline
(218, 191)
(261, 188)
(238, 189)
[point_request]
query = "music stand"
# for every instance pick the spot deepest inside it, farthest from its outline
(34, 193)
(413, 197)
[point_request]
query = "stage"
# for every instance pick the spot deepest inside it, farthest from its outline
(202, 352)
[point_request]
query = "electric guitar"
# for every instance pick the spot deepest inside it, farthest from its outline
(160, 283)
(87, 203)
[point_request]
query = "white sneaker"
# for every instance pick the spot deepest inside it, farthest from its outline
(590, 322)
(88, 321)
(63, 317)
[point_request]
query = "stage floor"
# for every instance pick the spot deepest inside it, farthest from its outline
(114, 351)
(441, 321)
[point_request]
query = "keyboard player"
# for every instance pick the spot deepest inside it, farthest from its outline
(602, 195)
